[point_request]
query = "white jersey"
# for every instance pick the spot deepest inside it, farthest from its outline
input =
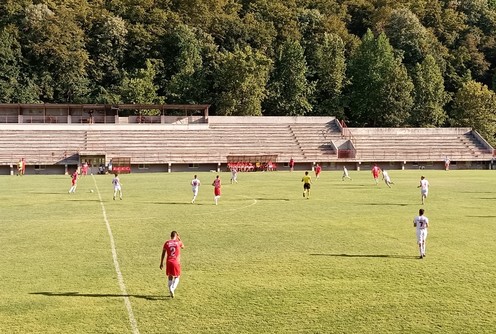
(195, 184)
(424, 186)
(385, 176)
(345, 171)
(116, 182)
(421, 223)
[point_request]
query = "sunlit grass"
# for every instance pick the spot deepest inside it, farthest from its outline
(265, 260)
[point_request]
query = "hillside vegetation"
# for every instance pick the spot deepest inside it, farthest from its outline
(370, 62)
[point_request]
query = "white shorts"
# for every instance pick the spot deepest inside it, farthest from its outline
(421, 235)
(195, 191)
(424, 192)
(117, 188)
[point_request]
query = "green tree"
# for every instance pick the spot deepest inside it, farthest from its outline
(474, 105)
(288, 86)
(10, 52)
(53, 44)
(429, 95)
(330, 77)
(380, 90)
(240, 81)
(140, 87)
(184, 66)
(106, 45)
(406, 33)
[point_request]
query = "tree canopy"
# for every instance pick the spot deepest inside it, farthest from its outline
(373, 63)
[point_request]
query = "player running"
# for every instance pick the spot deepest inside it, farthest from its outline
(307, 181)
(318, 170)
(345, 174)
(424, 188)
(386, 178)
(117, 186)
(375, 173)
(195, 185)
(172, 248)
(74, 180)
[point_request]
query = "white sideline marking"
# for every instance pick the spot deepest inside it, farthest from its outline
(120, 278)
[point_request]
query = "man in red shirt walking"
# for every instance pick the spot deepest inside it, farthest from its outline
(172, 248)
(217, 185)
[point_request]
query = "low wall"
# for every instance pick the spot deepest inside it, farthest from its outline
(269, 119)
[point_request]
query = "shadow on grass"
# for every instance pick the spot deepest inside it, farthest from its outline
(370, 256)
(97, 295)
(482, 216)
(386, 204)
(272, 199)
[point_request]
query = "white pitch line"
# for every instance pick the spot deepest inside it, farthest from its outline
(120, 278)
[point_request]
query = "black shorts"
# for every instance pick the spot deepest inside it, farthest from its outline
(306, 186)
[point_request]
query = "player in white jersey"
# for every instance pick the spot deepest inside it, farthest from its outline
(117, 186)
(424, 188)
(386, 178)
(345, 174)
(421, 222)
(234, 175)
(195, 185)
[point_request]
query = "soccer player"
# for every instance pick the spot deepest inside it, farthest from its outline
(84, 169)
(217, 185)
(117, 186)
(74, 179)
(234, 175)
(195, 185)
(291, 164)
(21, 167)
(375, 173)
(345, 174)
(421, 222)
(446, 163)
(386, 178)
(424, 188)
(172, 248)
(318, 169)
(307, 181)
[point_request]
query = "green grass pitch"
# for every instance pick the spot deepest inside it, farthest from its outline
(265, 260)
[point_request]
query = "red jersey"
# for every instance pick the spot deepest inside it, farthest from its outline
(74, 177)
(318, 169)
(375, 171)
(216, 183)
(173, 249)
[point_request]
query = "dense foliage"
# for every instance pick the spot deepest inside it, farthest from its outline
(370, 62)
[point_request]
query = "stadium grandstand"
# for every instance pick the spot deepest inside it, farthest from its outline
(56, 138)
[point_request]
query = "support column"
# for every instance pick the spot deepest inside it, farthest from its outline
(358, 166)
(169, 169)
(403, 165)
(218, 167)
(66, 171)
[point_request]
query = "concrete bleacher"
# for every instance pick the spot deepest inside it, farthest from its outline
(305, 139)
(383, 144)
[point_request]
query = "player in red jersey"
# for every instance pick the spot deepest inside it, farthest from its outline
(216, 185)
(172, 248)
(74, 177)
(318, 169)
(375, 172)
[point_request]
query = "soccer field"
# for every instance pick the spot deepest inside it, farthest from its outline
(265, 260)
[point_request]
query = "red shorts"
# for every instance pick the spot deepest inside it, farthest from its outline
(217, 191)
(173, 268)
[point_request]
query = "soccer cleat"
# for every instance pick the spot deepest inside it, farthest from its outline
(421, 257)
(171, 294)
(114, 198)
